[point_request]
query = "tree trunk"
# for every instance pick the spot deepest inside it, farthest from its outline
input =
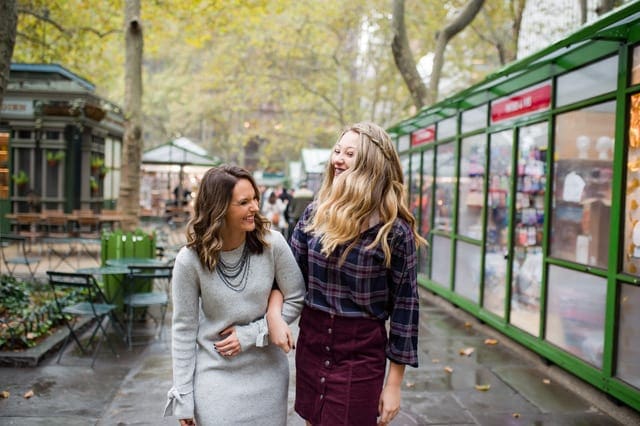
(129, 197)
(8, 27)
(583, 11)
(404, 58)
(443, 37)
(517, 12)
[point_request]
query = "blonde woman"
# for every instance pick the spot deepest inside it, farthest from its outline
(356, 247)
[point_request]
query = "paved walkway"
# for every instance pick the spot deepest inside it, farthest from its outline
(131, 389)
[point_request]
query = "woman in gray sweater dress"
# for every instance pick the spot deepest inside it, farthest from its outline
(224, 370)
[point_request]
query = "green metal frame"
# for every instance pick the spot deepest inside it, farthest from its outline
(614, 34)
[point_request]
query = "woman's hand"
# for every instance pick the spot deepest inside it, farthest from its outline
(187, 422)
(389, 404)
(280, 333)
(230, 345)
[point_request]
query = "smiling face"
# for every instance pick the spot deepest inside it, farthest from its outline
(345, 152)
(242, 209)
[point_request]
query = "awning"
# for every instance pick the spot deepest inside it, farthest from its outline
(182, 152)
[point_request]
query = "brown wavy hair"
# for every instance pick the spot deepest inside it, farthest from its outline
(373, 185)
(210, 209)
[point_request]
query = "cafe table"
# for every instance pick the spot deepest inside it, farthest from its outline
(128, 262)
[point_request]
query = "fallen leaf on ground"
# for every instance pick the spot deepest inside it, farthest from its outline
(546, 381)
(490, 342)
(466, 351)
(516, 415)
(409, 384)
(467, 324)
(483, 388)
(448, 369)
(28, 394)
(4, 394)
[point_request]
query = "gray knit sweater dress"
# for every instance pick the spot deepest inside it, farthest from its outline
(252, 386)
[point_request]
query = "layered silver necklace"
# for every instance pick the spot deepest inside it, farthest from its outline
(229, 273)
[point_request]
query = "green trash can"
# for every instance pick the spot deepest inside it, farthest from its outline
(119, 244)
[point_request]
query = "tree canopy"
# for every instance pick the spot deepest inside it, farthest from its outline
(284, 74)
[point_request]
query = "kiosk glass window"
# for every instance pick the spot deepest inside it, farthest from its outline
(447, 128)
(575, 313)
(414, 183)
(445, 186)
(583, 170)
(404, 162)
(631, 254)
(471, 189)
(468, 270)
(526, 277)
(587, 82)
(404, 142)
(628, 367)
(497, 239)
(635, 66)
(425, 210)
(441, 269)
(474, 119)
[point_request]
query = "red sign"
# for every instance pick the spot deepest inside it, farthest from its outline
(521, 103)
(426, 135)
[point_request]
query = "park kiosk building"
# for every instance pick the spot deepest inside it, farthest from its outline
(527, 187)
(60, 143)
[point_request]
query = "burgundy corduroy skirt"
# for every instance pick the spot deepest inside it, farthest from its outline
(340, 366)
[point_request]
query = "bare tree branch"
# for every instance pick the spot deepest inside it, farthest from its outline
(42, 17)
(443, 37)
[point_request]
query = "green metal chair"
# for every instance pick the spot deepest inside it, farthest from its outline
(79, 296)
(13, 249)
(147, 287)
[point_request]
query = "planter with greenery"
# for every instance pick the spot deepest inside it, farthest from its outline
(94, 185)
(21, 179)
(28, 313)
(96, 164)
(53, 158)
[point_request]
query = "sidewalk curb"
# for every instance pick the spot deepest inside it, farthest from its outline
(620, 412)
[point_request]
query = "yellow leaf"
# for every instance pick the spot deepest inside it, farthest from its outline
(28, 394)
(490, 342)
(546, 381)
(483, 388)
(467, 324)
(4, 394)
(466, 351)
(448, 369)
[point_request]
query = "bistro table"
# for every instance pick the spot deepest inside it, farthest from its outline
(128, 262)
(125, 264)
(145, 285)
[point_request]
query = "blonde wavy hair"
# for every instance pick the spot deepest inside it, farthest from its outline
(210, 208)
(373, 185)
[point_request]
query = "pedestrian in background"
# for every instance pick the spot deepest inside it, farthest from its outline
(356, 247)
(273, 209)
(224, 371)
(302, 197)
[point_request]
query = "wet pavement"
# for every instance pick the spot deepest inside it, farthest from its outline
(499, 384)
